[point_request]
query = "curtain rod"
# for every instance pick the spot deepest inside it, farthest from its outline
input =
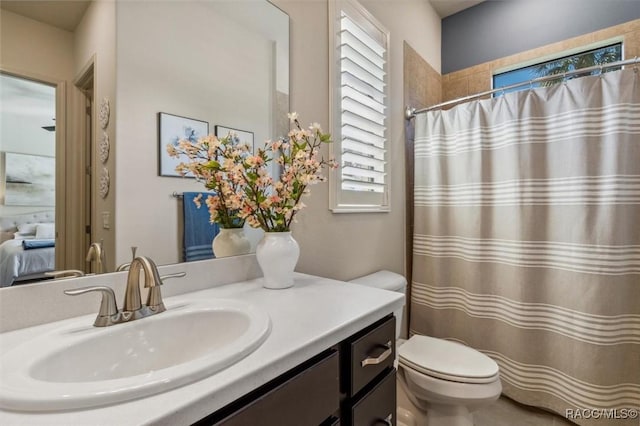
(410, 112)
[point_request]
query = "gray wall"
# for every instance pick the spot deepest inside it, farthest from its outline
(499, 28)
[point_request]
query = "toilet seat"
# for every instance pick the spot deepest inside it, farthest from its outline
(447, 360)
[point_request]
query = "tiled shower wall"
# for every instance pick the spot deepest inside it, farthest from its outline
(478, 78)
(422, 83)
(422, 88)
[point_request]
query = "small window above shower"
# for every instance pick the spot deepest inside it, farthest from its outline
(584, 58)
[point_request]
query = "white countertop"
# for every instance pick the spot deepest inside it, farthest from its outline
(306, 319)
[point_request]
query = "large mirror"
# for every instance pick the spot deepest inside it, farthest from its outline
(116, 70)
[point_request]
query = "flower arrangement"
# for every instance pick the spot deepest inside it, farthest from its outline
(225, 206)
(245, 187)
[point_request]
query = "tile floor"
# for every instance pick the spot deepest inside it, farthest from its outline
(506, 412)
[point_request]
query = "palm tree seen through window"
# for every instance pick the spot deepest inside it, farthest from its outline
(600, 56)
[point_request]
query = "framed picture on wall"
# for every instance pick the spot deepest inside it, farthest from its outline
(29, 180)
(171, 130)
(243, 135)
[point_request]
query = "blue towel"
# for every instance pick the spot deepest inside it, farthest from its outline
(198, 231)
(36, 244)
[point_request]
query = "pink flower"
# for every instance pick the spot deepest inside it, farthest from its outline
(254, 161)
(197, 199)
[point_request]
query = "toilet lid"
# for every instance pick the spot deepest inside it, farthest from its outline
(447, 360)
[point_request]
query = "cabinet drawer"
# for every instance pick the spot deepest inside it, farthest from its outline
(370, 354)
(378, 406)
(307, 399)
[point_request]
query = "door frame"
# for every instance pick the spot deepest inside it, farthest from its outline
(84, 146)
(62, 241)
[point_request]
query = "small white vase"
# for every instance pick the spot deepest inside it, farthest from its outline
(230, 242)
(277, 254)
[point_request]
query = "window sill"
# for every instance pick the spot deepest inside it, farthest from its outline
(360, 209)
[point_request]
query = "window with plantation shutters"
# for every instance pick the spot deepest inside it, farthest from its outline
(358, 109)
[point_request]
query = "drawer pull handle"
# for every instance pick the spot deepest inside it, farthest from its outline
(387, 421)
(384, 355)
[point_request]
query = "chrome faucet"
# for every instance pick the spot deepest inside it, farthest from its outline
(132, 308)
(96, 253)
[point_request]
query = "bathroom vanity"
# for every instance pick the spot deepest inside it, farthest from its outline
(352, 383)
(327, 359)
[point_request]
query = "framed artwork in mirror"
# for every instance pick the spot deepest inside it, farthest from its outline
(30, 180)
(243, 135)
(172, 129)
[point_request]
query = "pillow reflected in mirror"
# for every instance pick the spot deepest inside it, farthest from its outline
(45, 231)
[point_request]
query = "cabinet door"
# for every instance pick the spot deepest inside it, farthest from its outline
(308, 398)
(378, 406)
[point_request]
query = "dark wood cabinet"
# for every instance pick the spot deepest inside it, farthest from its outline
(376, 407)
(367, 379)
(352, 383)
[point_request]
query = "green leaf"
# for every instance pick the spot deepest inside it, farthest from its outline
(213, 165)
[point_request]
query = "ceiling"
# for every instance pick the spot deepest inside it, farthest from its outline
(62, 14)
(67, 14)
(445, 8)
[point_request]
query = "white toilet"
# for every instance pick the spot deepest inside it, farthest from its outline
(439, 382)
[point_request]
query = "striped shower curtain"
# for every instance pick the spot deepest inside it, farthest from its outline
(527, 240)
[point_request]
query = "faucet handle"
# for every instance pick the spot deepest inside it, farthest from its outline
(108, 306)
(169, 276)
(67, 273)
(123, 267)
(154, 298)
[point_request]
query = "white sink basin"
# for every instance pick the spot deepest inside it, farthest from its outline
(79, 366)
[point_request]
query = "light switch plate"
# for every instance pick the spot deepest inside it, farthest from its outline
(106, 220)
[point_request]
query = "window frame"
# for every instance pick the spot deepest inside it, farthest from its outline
(341, 200)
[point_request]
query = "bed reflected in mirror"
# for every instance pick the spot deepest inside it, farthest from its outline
(27, 179)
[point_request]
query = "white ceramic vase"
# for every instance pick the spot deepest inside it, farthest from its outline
(277, 254)
(230, 242)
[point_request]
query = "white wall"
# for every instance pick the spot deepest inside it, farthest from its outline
(25, 107)
(23, 133)
(33, 47)
(344, 246)
(185, 61)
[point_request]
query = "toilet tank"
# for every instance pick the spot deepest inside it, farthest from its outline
(387, 280)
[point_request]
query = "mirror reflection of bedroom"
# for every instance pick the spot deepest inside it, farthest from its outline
(27, 179)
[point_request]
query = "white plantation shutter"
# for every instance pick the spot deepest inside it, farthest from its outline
(359, 109)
